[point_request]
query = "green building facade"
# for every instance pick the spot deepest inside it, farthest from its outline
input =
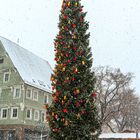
(25, 88)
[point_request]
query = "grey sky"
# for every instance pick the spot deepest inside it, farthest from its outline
(114, 27)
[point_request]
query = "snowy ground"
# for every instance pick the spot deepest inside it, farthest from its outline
(119, 135)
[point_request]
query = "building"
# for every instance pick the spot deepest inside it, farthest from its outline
(25, 87)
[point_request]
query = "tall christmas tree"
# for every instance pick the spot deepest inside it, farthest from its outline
(72, 114)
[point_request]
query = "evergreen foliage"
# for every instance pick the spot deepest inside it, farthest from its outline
(73, 114)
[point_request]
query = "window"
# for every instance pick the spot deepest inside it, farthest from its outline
(36, 115)
(1, 60)
(29, 94)
(4, 112)
(29, 114)
(46, 99)
(35, 96)
(14, 112)
(42, 117)
(17, 92)
(6, 77)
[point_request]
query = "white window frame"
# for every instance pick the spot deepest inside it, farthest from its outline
(12, 108)
(17, 87)
(35, 99)
(47, 99)
(27, 93)
(30, 114)
(36, 119)
(2, 113)
(4, 77)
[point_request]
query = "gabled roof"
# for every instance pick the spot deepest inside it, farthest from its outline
(34, 70)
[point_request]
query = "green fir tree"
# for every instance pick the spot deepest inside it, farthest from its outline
(73, 113)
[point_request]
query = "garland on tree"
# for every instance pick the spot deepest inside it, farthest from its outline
(73, 114)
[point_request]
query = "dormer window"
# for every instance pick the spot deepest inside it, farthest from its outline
(1, 60)
(6, 77)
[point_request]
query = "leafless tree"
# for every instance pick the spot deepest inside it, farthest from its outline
(116, 100)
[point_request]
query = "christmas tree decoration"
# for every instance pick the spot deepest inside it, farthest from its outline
(73, 114)
(94, 94)
(52, 113)
(83, 62)
(69, 3)
(65, 110)
(63, 69)
(56, 116)
(65, 97)
(66, 123)
(76, 3)
(52, 78)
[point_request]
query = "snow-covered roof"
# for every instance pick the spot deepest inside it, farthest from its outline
(118, 135)
(34, 70)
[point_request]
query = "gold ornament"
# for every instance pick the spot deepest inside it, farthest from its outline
(52, 113)
(66, 123)
(77, 91)
(74, 36)
(63, 69)
(69, 3)
(52, 78)
(83, 62)
(69, 22)
(76, 3)
(69, 46)
(65, 97)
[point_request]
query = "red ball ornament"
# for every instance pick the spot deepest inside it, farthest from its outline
(56, 116)
(55, 99)
(60, 36)
(64, 16)
(67, 55)
(54, 43)
(57, 93)
(72, 78)
(77, 104)
(65, 110)
(66, 29)
(56, 59)
(53, 88)
(74, 59)
(94, 94)
(68, 61)
(61, 43)
(73, 25)
(67, 81)
(74, 48)
(65, 65)
(53, 95)
(80, 9)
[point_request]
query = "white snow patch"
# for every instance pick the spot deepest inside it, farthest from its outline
(118, 135)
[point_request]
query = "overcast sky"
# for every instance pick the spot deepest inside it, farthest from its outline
(114, 27)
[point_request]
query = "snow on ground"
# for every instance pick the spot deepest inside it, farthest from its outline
(119, 135)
